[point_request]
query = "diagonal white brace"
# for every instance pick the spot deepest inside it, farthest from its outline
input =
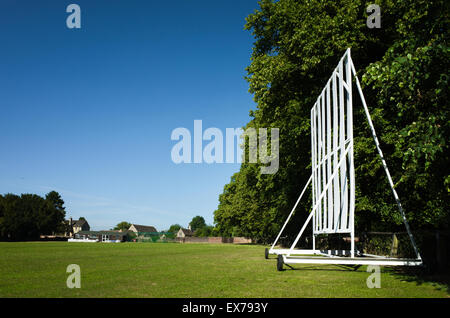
(322, 194)
(290, 214)
(377, 144)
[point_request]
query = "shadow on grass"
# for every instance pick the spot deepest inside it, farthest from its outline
(332, 268)
(420, 276)
(417, 275)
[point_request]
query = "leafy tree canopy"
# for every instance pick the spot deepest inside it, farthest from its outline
(207, 230)
(27, 216)
(174, 228)
(404, 70)
(122, 226)
(197, 222)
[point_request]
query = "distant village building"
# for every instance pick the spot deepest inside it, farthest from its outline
(185, 233)
(81, 225)
(100, 236)
(75, 226)
(136, 228)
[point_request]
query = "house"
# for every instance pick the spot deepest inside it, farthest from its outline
(100, 236)
(185, 232)
(81, 225)
(75, 226)
(136, 228)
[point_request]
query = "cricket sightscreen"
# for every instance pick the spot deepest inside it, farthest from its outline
(333, 176)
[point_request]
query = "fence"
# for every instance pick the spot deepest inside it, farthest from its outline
(154, 237)
(217, 240)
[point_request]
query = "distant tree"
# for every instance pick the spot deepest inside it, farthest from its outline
(174, 228)
(205, 231)
(53, 214)
(27, 216)
(56, 200)
(21, 216)
(122, 226)
(197, 222)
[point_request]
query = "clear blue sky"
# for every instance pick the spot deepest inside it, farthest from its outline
(89, 112)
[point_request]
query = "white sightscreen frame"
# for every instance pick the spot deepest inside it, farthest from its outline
(333, 176)
(335, 210)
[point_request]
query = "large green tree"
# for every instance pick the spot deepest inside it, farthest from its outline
(404, 70)
(27, 216)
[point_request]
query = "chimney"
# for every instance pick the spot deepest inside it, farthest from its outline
(70, 227)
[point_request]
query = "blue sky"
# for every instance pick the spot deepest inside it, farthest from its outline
(89, 112)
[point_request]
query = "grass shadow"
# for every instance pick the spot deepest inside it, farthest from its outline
(417, 275)
(332, 268)
(420, 276)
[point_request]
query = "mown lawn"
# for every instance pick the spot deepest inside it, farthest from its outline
(38, 269)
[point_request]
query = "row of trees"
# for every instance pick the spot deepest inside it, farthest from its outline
(404, 69)
(28, 216)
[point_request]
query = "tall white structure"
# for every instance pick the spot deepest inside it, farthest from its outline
(333, 177)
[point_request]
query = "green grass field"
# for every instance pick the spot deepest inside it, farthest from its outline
(38, 269)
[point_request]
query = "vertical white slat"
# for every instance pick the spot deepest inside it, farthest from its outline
(337, 201)
(319, 159)
(330, 191)
(313, 163)
(316, 175)
(314, 242)
(317, 166)
(324, 171)
(343, 168)
(348, 73)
